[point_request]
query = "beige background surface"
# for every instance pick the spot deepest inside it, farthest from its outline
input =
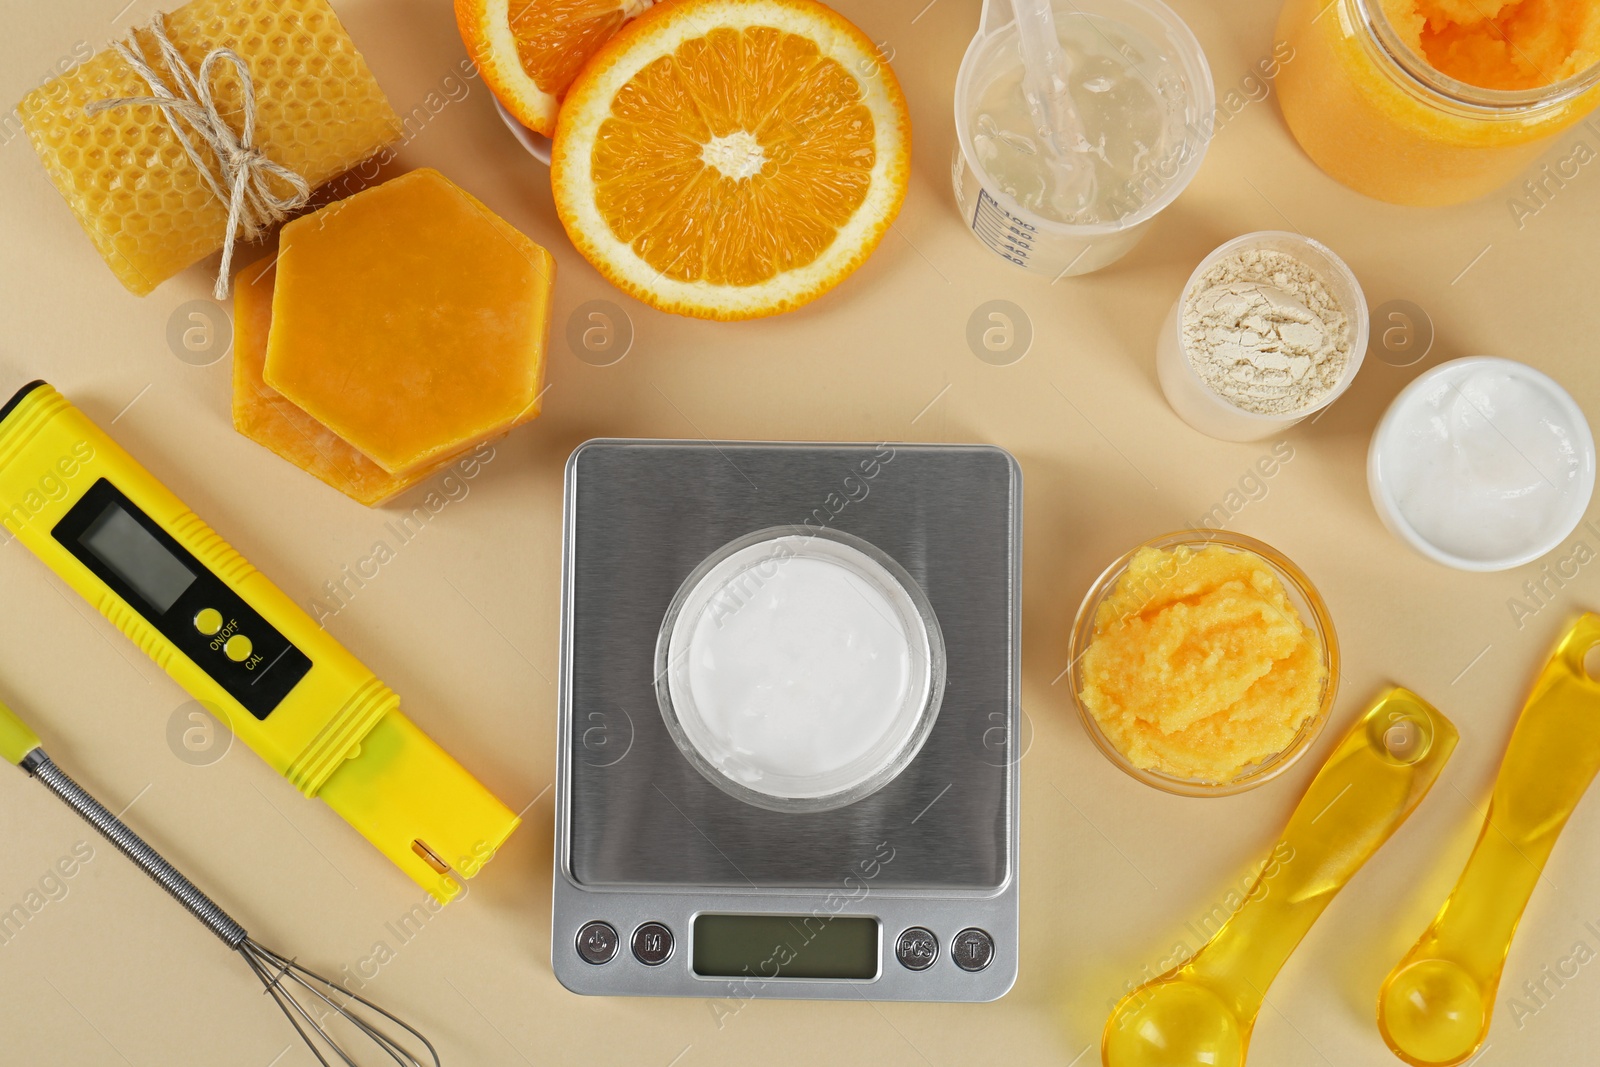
(463, 623)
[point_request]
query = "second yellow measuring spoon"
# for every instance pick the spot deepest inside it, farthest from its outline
(1202, 1012)
(1436, 1005)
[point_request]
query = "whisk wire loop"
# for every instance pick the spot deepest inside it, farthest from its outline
(282, 978)
(278, 974)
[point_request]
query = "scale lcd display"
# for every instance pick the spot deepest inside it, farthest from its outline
(119, 541)
(766, 947)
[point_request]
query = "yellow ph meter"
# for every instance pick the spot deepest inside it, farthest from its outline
(236, 642)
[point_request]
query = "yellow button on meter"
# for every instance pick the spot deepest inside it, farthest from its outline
(238, 648)
(208, 621)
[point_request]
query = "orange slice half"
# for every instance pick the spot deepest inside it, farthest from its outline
(528, 51)
(732, 158)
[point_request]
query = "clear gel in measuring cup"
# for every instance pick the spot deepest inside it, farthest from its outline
(1142, 91)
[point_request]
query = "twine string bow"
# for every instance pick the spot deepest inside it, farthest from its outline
(237, 172)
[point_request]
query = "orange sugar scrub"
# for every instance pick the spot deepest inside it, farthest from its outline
(1432, 102)
(1200, 665)
(1500, 44)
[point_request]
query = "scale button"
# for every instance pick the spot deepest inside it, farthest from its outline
(972, 949)
(238, 648)
(916, 949)
(208, 621)
(652, 944)
(597, 942)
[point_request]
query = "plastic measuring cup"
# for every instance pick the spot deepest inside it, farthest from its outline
(1436, 1005)
(1202, 1012)
(1060, 249)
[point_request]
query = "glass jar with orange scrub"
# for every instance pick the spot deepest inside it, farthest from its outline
(1435, 101)
(1204, 663)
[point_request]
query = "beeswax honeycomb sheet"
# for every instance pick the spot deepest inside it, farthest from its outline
(138, 195)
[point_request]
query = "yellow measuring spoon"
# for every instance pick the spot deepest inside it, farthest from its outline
(1202, 1012)
(1436, 1005)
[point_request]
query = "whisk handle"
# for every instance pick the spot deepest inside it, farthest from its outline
(134, 847)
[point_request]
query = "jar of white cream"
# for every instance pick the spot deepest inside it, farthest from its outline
(1482, 464)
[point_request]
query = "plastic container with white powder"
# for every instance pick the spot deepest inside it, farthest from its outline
(1271, 327)
(1482, 464)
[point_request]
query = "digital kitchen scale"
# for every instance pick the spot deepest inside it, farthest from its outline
(681, 872)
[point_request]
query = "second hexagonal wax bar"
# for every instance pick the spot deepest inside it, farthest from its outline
(408, 320)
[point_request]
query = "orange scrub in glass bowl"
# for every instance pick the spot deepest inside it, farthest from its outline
(1200, 664)
(1435, 101)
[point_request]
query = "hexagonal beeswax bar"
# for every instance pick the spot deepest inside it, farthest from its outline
(264, 415)
(410, 320)
(124, 171)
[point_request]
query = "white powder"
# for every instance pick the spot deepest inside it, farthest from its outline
(1263, 330)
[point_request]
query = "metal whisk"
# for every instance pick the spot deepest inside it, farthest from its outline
(309, 1001)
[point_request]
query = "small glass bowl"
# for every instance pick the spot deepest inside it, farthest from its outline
(719, 587)
(1306, 600)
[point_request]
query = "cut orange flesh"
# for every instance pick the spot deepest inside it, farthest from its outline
(528, 51)
(732, 158)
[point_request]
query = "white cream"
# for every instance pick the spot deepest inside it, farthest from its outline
(1485, 461)
(799, 667)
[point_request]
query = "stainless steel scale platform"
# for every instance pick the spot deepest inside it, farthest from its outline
(666, 885)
